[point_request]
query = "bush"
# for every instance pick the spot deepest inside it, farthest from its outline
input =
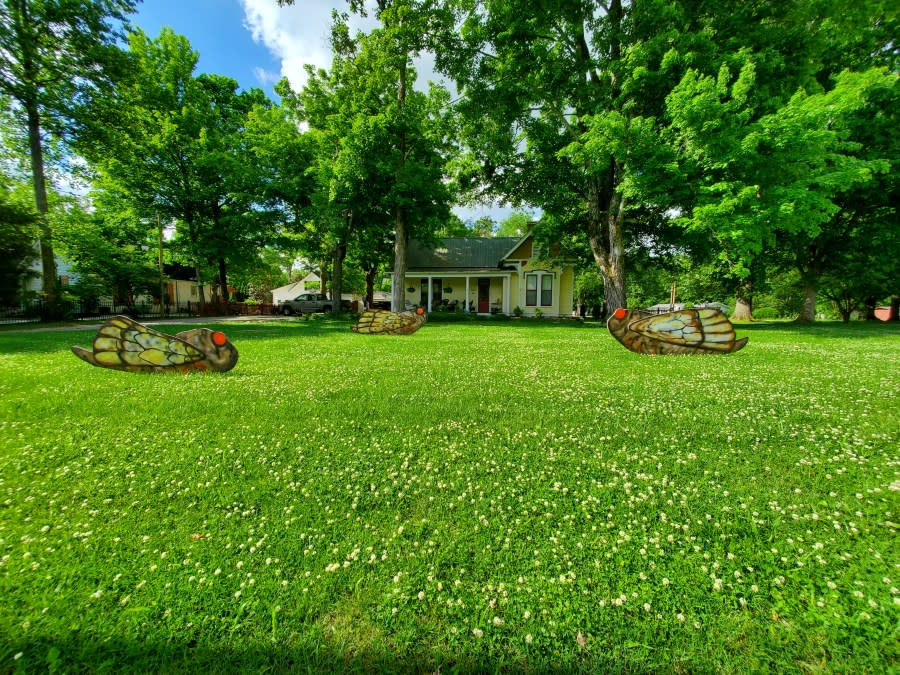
(764, 313)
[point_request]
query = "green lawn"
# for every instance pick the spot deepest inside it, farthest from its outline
(517, 496)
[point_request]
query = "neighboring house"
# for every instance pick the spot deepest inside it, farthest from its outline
(35, 282)
(291, 291)
(489, 275)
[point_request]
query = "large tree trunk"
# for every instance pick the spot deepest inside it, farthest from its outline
(398, 280)
(200, 294)
(869, 304)
(370, 285)
(606, 208)
(324, 275)
(743, 302)
(808, 311)
(607, 241)
(28, 40)
(401, 229)
(45, 234)
(894, 314)
(223, 279)
(337, 276)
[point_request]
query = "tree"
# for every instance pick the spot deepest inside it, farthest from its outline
(759, 128)
(16, 245)
(514, 225)
(111, 250)
(773, 179)
(54, 57)
(483, 227)
(176, 146)
(560, 103)
(235, 227)
(395, 140)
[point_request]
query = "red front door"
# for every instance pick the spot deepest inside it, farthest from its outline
(484, 296)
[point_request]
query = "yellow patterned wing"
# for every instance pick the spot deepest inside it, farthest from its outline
(383, 322)
(123, 344)
(706, 329)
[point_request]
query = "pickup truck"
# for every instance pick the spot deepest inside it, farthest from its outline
(305, 303)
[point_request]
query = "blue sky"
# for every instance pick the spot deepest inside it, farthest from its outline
(216, 30)
(256, 42)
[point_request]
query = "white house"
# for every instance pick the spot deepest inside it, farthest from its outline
(291, 291)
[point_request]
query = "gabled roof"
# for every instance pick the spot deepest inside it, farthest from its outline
(459, 253)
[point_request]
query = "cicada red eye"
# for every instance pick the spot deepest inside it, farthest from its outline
(620, 313)
(219, 339)
(420, 311)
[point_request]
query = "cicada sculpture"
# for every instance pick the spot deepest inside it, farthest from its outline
(383, 322)
(688, 331)
(123, 344)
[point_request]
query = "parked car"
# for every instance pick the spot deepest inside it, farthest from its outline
(308, 303)
(305, 303)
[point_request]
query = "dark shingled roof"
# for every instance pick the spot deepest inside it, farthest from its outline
(459, 253)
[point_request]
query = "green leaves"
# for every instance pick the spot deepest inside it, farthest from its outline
(760, 174)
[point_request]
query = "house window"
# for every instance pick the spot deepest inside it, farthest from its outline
(539, 289)
(436, 292)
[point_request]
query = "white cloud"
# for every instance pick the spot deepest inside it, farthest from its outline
(299, 34)
(295, 35)
(265, 77)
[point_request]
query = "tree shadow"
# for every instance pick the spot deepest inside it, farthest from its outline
(84, 653)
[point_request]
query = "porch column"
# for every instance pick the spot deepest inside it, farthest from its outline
(505, 307)
(466, 307)
(429, 294)
(557, 280)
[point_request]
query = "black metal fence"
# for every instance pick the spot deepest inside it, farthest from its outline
(37, 311)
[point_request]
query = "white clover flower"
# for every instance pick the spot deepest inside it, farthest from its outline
(529, 639)
(477, 632)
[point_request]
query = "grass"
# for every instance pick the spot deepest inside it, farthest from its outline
(516, 496)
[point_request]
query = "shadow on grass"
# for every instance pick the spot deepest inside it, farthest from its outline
(50, 340)
(55, 340)
(81, 653)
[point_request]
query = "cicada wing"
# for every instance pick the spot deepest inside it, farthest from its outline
(707, 329)
(124, 344)
(374, 321)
